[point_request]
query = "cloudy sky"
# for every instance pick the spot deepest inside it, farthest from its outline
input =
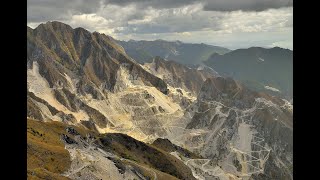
(228, 23)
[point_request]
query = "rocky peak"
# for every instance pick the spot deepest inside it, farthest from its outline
(178, 75)
(94, 56)
(216, 87)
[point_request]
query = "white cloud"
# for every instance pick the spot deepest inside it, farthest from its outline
(285, 44)
(189, 23)
(32, 24)
(265, 21)
(185, 34)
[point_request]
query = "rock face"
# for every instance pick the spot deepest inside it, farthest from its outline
(178, 75)
(94, 58)
(98, 157)
(65, 65)
(159, 120)
(248, 134)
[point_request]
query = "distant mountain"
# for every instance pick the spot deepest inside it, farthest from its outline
(268, 70)
(184, 53)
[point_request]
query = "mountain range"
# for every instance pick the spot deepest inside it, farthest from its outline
(261, 69)
(94, 112)
(183, 53)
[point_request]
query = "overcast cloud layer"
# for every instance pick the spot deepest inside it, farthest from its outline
(229, 23)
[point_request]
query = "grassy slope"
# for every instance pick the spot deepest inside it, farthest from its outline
(167, 146)
(46, 156)
(146, 155)
(149, 172)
